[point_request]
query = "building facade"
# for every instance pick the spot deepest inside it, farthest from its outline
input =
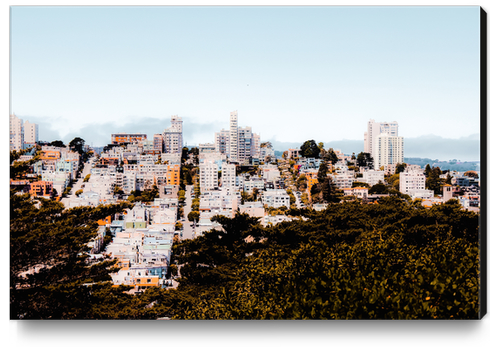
(172, 137)
(31, 134)
(387, 150)
(17, 133)
(127, 138)
(374, 129)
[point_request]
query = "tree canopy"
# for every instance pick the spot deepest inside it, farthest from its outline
(77, 145)
(51, 276)
(391, 260)
(309, 149)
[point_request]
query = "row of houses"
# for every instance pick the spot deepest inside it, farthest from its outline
(56, 168)
(142, 243)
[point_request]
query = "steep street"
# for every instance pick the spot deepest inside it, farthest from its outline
(187, 226)
(78, 183)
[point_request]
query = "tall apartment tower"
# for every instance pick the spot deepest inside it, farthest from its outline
(234, 136)
(16, 133)
(387, 150)
(208, 176)
(172, 137)
(228, 176)
(222, 141)
(374, 129)
(31, 134)
(158, 142)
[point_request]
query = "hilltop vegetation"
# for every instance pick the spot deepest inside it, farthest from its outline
(393, 260)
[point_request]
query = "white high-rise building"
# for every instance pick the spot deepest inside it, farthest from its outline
(208, 176)
(234, 136)
(222, 141)
(16, 133)
(239, 144)
(228, 176)
(31, 134)
(374, 129)
(172, 136)
(387, 150)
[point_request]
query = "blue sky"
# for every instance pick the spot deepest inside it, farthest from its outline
(292, 73)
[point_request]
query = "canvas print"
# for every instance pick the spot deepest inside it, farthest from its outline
(247, 162)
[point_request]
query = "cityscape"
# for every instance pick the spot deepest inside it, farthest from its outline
(316, 212)
(180, 194)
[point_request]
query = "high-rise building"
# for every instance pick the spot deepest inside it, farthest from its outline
(222, 141)
(172, 136)
(228, 176)
(238, 143)
(158, 142)
(31, 134)
(374, 129)
(387, 150)
(16, 133)
(234, 136)
(208, 176)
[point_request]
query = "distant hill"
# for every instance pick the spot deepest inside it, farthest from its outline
(452, 165)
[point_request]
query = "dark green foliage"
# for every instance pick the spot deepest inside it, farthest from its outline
(57, 143)
(360, 184)
(77, 145)
(143, 196)
(400, 167)
(378, 188)
(50, 274)
(391, 260)
(330, 193)
(193, 216)
(365, 159)
(322, 172)
(471, 174)
(433, 180)
(185, 154)
(309, 149)
(330, 156)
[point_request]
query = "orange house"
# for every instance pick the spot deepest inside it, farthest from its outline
(127, 138)
(41, 188)
(173, 174)
(50, 155)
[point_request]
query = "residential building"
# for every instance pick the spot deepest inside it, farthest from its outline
(207, 148)
(276, 198)
(293, 153)
(228, 176)
(41, 188)
(359, 192)
(127, 138)
(387, 150)
(412, 182)
(222, 142)
(375, 129)
(253, 209)
(172, 136)
(239, 144)
(208, 176)
(371, 177)
(233, 155)
(158, 142)
(31, 134)
(16, 133)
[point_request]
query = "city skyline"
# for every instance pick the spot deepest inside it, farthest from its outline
(85, 72)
